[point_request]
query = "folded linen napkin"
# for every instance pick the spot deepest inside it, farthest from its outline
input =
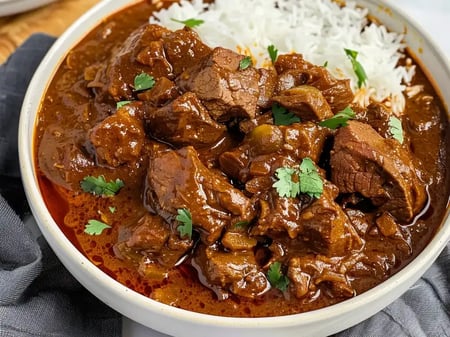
(38, 297)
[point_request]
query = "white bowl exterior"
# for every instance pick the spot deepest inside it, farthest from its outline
(177, 322)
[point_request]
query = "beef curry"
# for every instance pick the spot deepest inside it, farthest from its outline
(206, 183)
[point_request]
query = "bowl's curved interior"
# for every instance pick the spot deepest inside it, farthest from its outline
(179, 322)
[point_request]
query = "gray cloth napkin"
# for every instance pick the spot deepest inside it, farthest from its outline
(38, 297)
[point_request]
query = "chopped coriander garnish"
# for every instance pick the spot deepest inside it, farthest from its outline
(273, 52)
(191, 23)
(122, 103)
(143, 81)
(95, 227)
(276, 277)
(285, 186)
(99, 186)
(112, 209)
(281, 116)
(310, 181)
(241, 224)
(357, 67)
(340, 119)
(301, 179)
(396, 129)
(184, 217)
(325, 64)
(245, 63)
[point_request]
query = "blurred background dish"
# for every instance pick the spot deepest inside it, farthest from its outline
(9, 7)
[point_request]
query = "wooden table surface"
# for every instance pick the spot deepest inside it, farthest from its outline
(52, 19)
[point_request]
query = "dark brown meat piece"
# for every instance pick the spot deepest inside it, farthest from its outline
(309, 273)
(380, 169)
(326, 228)
(377, 115)
(294, 71)
(184, 121)
(267, 83)
(177, 179)
(61, 157)
(235, 272)
(162, 92)
(224, 89)
(305, 101)
(119, 138)
(150, 233)
(183, 49)
(143, 51)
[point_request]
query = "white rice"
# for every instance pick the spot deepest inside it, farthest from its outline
(318, 29)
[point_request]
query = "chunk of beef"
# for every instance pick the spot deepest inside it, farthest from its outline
(119, 138)
(184, 121)
(236, 272)
(309, 273)
(303, 140)
(248, 125)
(305, 101)
(150, 233)
(178, 179)
(224, 89)
(378, 168)
(183, 48)
(142, 51)
(162, 92)
(280, 215)
(236, 240)
(267, 83)
(62, 158)
(151, 244)
(326, 228)
(294, 71)
(268, 147)
(377, 115)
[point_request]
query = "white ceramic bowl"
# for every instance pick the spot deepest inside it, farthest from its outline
(177, 322)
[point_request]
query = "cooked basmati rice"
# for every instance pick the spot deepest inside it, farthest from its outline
(319, 29)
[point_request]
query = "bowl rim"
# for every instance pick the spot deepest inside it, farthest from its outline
(69, 255)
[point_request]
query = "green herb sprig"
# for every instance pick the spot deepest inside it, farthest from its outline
(281, 116)
(273, 53)
(95, 227)
(276, 277)
(191, 23)
(185, 218)
(99, 186)
(396, 129)
(302, 179)
(340, 119)
(357, 67)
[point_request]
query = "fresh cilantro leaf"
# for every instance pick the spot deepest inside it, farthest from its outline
(340, 119)
(99, 186)
(241, 224)
(143, 81)
(191, 23)
(325, 64)
(184, 217)
(245, 63)
(306, 180)
(310, 181)
(112, 209)
(122, 103)
(273, 52)
(281, 116)
(95, 227)
(396, 129)
(276, 277)
(357, 67)
(285, 186)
